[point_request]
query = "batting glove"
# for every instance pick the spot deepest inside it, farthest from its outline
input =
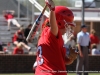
(50, 4)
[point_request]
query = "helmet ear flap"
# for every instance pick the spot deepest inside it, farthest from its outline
(61, 24)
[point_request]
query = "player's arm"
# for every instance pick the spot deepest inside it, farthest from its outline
(52, 18)
(53, 24)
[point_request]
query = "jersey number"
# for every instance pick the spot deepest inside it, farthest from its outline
(39, 50)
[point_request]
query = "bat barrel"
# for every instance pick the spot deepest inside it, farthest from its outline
(36, 25)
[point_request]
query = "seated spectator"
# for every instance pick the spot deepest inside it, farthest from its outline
(9, 16)
(18, 49)
(27, 30)
(20, 39)
(95, 51)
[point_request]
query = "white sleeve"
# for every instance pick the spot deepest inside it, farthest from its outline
(65, 38)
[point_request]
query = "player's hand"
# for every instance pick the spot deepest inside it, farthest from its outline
(50, 4)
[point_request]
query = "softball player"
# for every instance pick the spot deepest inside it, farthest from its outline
(50, 51)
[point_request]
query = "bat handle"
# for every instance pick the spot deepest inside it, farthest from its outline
(44, 9)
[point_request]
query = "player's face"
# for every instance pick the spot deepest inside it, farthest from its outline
(63, 31)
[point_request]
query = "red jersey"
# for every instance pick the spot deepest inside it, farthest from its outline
(17, 51)
(50, 54)
(94, 39)
(8, 16)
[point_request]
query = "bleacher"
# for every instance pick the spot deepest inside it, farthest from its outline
(6, 36)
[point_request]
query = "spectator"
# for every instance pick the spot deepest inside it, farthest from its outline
(83, 40)
(93, 37)
(95, 51)
(19, 38)
(18, 49)
(27, 30)
(9, 16)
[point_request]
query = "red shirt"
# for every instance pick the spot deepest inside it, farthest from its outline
(51, 54)
(15, 38)
(94, 39)
(17, 51)
(8, 16)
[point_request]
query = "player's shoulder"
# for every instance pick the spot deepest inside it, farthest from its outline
(45, 30)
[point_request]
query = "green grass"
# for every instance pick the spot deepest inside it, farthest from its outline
(33, 74)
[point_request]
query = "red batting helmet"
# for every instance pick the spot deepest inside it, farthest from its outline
(64, 16)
